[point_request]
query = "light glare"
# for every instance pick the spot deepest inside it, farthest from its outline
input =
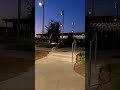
(40, 4)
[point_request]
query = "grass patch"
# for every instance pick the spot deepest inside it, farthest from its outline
(20, 45)
(40, 54)
(79, 66)
(44, 44)
(11, 67)
(69, 44)
(65, 44)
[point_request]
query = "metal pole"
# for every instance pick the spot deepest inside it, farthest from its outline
(116, 6)
(73, 37)
(116, 9)
(74, 46)
(117, 19)
(73, 28)
(43, 21)
(92, 10)
(89, 76)
(63, 24)
(89, 68)
(19, 14)
(72, 52)
(95, 49)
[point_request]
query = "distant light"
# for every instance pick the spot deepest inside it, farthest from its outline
(61, 25)
(90, 13)
(82, 34)
(40, 4)
(115, 19)
(62, 13)
(72, 31)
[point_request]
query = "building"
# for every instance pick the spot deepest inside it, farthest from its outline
(78, 36)
(108, 31)
(26, 28)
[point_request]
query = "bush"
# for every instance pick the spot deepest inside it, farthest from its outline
(22, 46)
(114, 69)
(45, 44)
(65, 44)
(68, 43)
(82, 55)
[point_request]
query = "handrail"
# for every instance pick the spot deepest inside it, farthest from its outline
(93, 39)
(73, 48)
(90, 55)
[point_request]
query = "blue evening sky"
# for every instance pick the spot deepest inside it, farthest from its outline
(74, 10)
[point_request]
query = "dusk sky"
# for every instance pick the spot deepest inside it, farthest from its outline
(74, 10)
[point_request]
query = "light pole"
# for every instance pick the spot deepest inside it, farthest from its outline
(92, 10)
(62, 14)
(116, 6)
(89, 76)
(72, 48)
(41, 4)
(73, 32)
(73, 28)
(18, 21)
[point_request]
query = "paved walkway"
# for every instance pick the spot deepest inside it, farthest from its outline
(25, 81)
(55, 72)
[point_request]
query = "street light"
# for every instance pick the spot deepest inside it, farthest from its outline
(18, 20)
(73, 29)
(89, 76)
(62, 14)
(116, 6)
(41, 4)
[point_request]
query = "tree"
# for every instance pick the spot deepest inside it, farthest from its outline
(30, 5)
(53, 31)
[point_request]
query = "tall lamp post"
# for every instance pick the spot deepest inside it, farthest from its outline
(41, 4)
(18, 21)
(89, 76)
(89, 65)
(62, 14)
(73, 29)
(116, 6)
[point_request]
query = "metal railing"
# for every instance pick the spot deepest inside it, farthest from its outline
(73, 49)
(90, 56)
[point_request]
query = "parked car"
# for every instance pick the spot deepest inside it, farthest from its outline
(54, 43)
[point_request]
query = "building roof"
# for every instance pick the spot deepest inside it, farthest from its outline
(66, 33)
(103, 18)
(15, 20)
(104, 23)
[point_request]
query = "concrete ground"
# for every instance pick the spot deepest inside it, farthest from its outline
(55, 72)
(26, 80)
